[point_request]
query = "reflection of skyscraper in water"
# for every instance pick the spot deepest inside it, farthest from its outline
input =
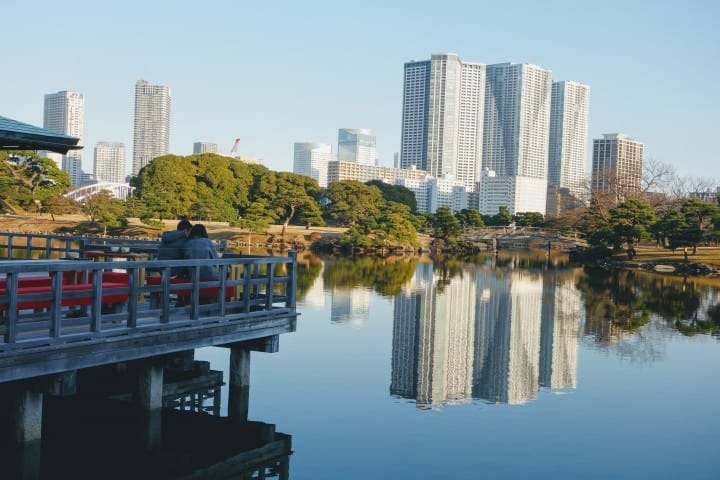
(315, 295)
(432, 339)
(507, 338)
(560, 332)
(350, 306)
(478, 335)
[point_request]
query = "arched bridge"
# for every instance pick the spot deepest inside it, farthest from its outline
(511, 236)
(117, 189)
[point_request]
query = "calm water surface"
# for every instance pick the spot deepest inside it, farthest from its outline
(512, 367)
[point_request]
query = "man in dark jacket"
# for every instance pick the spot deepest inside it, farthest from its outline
(172, 244)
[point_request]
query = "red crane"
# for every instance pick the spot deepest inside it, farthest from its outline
(235, 146)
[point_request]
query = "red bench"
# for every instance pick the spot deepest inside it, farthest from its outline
(43, 285)
(69, 278)
(85, 299)
(205, 292)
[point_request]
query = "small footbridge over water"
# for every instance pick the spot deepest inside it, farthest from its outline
(522, 237)
(71, 305)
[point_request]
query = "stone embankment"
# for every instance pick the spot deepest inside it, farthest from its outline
(673, 268)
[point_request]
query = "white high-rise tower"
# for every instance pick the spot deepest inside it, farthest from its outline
(568, 139)
(443, 105)
(64, 113)
(109, 162)
(311, 159)
(515, 142)
(151, 134)
(356, 145)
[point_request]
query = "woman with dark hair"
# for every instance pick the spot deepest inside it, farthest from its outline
(200, 246)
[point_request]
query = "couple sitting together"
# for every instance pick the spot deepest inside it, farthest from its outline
(191, 242)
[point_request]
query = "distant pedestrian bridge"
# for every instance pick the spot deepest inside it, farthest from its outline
(522, 237)
(117, 189)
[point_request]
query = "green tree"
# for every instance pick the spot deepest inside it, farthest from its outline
(396, 193)
(289, 196)
(395, 227)
(502, 218)
(353, 203)
(215, 187)
(106, 210)
(60, 206)
(445, 225)
(27, 181)
(470, 218)
(700, 215)
(529, 219)
(631, 221)
(670, 230)
(166, 187)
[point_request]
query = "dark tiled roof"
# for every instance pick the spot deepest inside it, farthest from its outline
(16, 135)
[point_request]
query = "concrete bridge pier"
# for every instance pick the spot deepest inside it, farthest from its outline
(22, 409)
(239, 378)
(149, 387)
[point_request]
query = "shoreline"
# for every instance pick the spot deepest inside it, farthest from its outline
(704, 263)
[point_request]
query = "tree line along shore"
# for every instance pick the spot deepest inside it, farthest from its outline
(270, 207)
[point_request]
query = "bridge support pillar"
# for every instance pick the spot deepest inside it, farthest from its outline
(239, 398)
(149, 388)
(24, 412)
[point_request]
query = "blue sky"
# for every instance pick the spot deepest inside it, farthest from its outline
(275, 73)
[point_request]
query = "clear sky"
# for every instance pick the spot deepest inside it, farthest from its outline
(278, 72)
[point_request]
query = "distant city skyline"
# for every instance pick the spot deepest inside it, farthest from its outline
(151, 123)
(109, 164)
(64, 112)
(632, 54)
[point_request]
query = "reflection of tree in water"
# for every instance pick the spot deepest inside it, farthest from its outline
(449, 267)
(386, 276)
(446, 269)
(308, 270)
(619, 303)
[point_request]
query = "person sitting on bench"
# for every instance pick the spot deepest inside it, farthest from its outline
(172, 245)
(200, 246)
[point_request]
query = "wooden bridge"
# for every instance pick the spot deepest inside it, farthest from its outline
(522, 237)
(61, 316)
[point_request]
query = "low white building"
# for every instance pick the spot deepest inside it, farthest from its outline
(311, 159)
(519, 194)
(432, 193)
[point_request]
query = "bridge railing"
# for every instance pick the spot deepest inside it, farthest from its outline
(40, 307)
(37, 246)
(513, 230)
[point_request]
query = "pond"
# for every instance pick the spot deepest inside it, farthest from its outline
(510, 367)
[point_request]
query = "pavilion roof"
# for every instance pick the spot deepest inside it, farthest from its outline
(16, 135)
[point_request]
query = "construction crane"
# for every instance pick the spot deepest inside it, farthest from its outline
(234, 148)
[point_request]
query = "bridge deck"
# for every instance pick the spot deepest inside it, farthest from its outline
(255, 299)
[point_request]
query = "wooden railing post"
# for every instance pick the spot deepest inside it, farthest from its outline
(10, 245)
(292, 279)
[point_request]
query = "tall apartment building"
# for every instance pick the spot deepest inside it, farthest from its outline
(442, 119)
(516, 135)
(204, 147)
(311, 159)
(568, 139)
(462, 118)
(64, 112)
(109, 165)
(356, 145)
(616, 167)
(151, 133)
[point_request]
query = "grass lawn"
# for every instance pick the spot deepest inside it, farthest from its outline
(647, 253)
